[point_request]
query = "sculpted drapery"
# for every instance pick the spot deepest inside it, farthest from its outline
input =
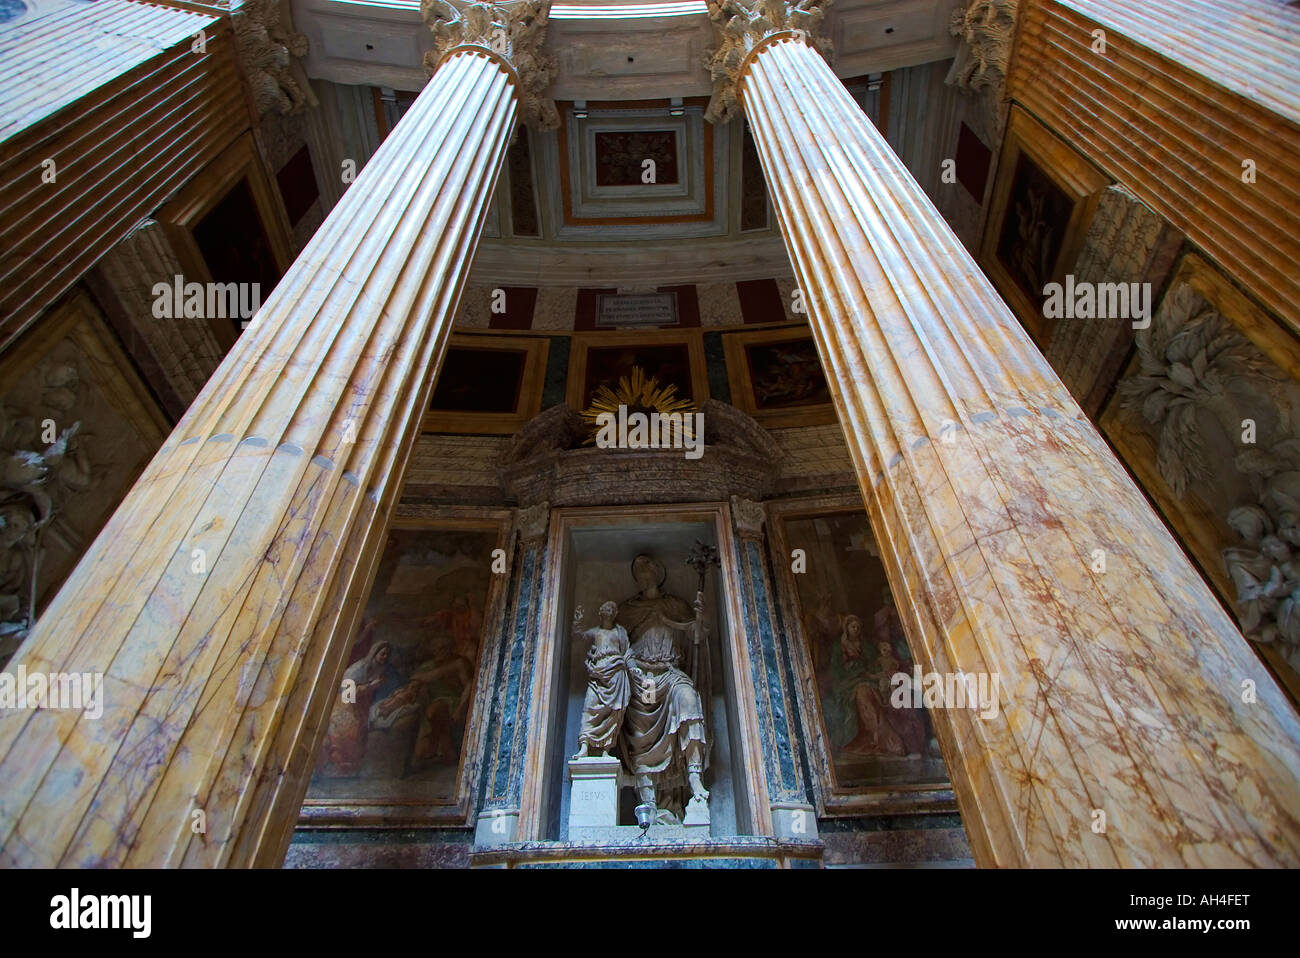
(665, 735)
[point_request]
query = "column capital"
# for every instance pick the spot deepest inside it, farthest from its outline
(533, 522)
(512, 34)
(743, 29)
(747, 517)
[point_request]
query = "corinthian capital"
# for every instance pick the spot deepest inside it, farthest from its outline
(741, 27)
(514, 32)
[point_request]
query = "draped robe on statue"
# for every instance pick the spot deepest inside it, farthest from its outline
(663, 729)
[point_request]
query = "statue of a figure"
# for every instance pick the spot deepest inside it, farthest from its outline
(665, 734)
(608, 663)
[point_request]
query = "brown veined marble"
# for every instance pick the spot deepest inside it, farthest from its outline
(219, 600)
(995, 502)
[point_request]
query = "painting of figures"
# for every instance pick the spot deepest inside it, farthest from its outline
(397, 731)
(855, 644)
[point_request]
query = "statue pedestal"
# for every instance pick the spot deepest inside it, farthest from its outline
(593, 800)
(696, 819)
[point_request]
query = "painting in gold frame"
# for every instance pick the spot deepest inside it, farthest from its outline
(846, 641)
(599, 359)
(776, 376)
(1042, 202)
(402, 741)
(488, 385)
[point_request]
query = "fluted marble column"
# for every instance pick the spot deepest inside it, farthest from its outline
(220, 599)
(1125, 693)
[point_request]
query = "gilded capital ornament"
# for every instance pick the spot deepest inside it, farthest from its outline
(515, 33)
(742, 28)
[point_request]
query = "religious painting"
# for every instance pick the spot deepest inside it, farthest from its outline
(621, 157)
(776, 377)
(1042, 203)
(602, 359)
(395, 746)
(488, 384)
(851, 646)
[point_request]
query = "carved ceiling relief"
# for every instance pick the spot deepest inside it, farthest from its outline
(1213, 398)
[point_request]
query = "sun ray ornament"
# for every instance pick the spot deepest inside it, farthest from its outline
(637, 393)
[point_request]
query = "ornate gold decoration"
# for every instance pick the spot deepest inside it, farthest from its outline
(639, 393)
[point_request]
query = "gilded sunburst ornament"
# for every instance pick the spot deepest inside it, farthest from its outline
(638, 393)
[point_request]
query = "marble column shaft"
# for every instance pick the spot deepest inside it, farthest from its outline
(219, 601)
(997, 506)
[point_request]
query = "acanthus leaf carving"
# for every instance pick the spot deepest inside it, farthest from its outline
(1198, 372)
(987, 29)
(740, 28)
(515, 33)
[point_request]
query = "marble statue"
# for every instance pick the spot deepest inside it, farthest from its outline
(665, 734)
(608, 664)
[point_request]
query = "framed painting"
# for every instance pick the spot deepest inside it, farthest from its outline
(488, 385)
(1042, 202)
(401, 743)
(601, 359)
(847, 642)
(776, 377)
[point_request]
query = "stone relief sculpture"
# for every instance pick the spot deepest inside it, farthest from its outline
(1200, 383)
(740, 27)
(33, 485)
(987, 30)
(516, 32)
(609, 660)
